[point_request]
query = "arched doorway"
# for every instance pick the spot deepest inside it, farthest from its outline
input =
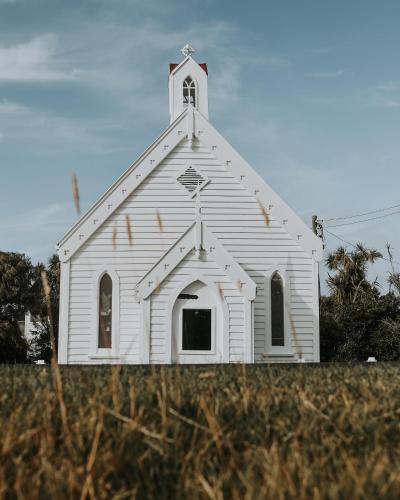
(197, 325)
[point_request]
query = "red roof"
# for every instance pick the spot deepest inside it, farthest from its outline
(203, 66)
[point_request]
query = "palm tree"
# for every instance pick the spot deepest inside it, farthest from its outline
(394, 276)
(351, 272)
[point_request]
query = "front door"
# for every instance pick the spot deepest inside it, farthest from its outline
(194, 326)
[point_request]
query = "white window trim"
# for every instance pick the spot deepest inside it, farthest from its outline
(191, 195)
(196, 92)
(213, 318)
(95, 351)
(286, 349)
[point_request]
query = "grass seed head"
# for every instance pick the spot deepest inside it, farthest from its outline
(294, 332)
(114, 236)
(128, 229)
(265, 214)
(75, 194)
(46, 287)
(160, 221)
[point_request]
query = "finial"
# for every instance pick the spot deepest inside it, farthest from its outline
(187, 50)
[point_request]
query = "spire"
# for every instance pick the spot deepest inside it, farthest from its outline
(187, 85)
(187, 50)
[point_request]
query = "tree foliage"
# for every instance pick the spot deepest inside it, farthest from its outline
(19, 286)
(41, 345)
(21, 291)
(356, 320)
(350, 279)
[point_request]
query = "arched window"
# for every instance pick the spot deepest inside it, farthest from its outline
(105, 312)
(189, 92)
(277, 311)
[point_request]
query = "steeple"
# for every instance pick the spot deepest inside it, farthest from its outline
(187, 85)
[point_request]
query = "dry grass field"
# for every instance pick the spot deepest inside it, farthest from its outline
(235, 431)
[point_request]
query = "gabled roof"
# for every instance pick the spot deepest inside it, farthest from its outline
(178, 251)
(123, 188)
(173, 67)
(191, 123)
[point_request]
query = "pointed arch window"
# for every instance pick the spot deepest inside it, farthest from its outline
(277, 311)
(189, 92)
(277, 315)
(105, 312)
(104, 342)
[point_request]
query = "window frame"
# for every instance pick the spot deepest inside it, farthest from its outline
(286, 349)
(196, 95)
(97, 352)
(213, 339)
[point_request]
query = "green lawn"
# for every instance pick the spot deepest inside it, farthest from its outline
(294, 431)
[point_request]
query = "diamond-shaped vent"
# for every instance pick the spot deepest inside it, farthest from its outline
(191, 180)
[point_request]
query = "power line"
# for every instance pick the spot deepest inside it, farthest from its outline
(364, 220)
(355, 246)
(361, 215)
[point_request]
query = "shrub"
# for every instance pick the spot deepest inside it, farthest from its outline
(355, 331)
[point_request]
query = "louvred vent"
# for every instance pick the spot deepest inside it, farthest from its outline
(191, 179)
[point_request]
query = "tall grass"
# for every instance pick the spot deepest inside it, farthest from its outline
(232, 431)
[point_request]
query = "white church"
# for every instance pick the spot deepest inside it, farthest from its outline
(189, 257)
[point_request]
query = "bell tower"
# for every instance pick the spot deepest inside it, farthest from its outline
(188, 85)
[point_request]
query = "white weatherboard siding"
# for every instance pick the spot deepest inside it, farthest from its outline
(235, 218)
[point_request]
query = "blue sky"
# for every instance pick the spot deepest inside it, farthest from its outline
(308, 92)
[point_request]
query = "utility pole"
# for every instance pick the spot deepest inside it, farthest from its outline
(315, 226)
(318, 228)
(314, 223)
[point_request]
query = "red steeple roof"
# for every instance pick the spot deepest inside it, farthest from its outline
(203, 66)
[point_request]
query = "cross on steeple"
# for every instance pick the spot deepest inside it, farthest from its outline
(187, 50)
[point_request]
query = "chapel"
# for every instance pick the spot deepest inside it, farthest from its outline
(190, 256)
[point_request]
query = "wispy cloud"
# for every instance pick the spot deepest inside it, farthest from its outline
(38, 218)
(122, 58)
(50, 133)
(320, 101)
(33, 231)
(102, 54)
(274, 61)
(327, 74)
(225, 85)
(385, 95)
(388, 94)
(32, 61)
(318, 51)
(8, 108)
(122, 66)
